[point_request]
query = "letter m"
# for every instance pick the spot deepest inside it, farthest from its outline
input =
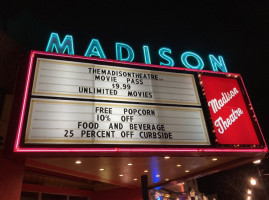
(60, 47)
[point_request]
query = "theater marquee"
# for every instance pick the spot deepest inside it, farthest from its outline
(111, 106)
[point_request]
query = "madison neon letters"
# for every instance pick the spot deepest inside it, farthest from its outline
(125, 52)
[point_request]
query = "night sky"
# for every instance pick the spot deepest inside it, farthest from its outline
(238, 31)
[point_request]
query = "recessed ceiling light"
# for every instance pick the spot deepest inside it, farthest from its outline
(214, 159)
(146, 170)
(121, 175)
(135, 179)
(158, 175)
(101, 169)
(178, 165)
(130, 164)
(187, 171)
(167, 179)
(166, 157)
(257, 161)
(78, 162)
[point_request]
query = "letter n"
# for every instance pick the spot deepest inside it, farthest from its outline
(217, 63)
(60, 47)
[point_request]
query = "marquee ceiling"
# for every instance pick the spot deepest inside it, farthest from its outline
(109, 172)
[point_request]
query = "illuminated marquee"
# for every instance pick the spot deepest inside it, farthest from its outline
(230, 115)
(95, 50)
(81, 104)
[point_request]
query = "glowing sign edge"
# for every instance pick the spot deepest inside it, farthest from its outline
(17, 147)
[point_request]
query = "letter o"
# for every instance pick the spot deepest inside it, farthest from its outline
(185, 62)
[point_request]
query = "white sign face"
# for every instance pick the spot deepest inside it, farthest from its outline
(57, 78)
(80, 122)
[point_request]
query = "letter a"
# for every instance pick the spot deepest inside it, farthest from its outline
(95, 49)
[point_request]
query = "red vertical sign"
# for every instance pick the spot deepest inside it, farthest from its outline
(228, 111)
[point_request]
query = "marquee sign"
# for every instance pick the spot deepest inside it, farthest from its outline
(110, 106)
(57, 78)
(76, 122)
(229, 112)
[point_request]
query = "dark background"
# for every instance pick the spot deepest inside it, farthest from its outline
(237, 30)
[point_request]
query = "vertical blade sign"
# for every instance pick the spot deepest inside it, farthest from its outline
(228, 110)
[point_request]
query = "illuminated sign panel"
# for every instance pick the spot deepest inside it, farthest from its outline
(76, 122)
(56, 78)
(81, 104)
(228, 110)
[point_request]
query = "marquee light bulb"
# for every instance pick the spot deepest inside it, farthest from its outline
(253, 181)
(257, 161)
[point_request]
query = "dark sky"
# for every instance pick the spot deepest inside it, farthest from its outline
(237, 30)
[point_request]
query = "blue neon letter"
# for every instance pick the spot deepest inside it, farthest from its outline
(130, 52)
(146, 54)
(162, 53)
(185, 62)
(95, 49)
(60, 47)
(217, 63)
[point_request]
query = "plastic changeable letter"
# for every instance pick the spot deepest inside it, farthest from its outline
(163, 54)
(119, 52)
(146, 54)
(95, 49)
(60, 47)
(217, 63)
(184, 60)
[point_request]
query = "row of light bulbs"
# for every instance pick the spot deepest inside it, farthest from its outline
(146, 170)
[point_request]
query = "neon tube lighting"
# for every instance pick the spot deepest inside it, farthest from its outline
(26, 90)
(17, 147)
(130, 63)
(136, 150)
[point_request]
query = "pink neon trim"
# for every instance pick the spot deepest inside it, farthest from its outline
(109, 150)
(26, 90)
(253, 111)
(137, 150)
(67, 150)
(187, 150)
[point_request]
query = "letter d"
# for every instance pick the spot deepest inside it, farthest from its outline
(130, 52)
